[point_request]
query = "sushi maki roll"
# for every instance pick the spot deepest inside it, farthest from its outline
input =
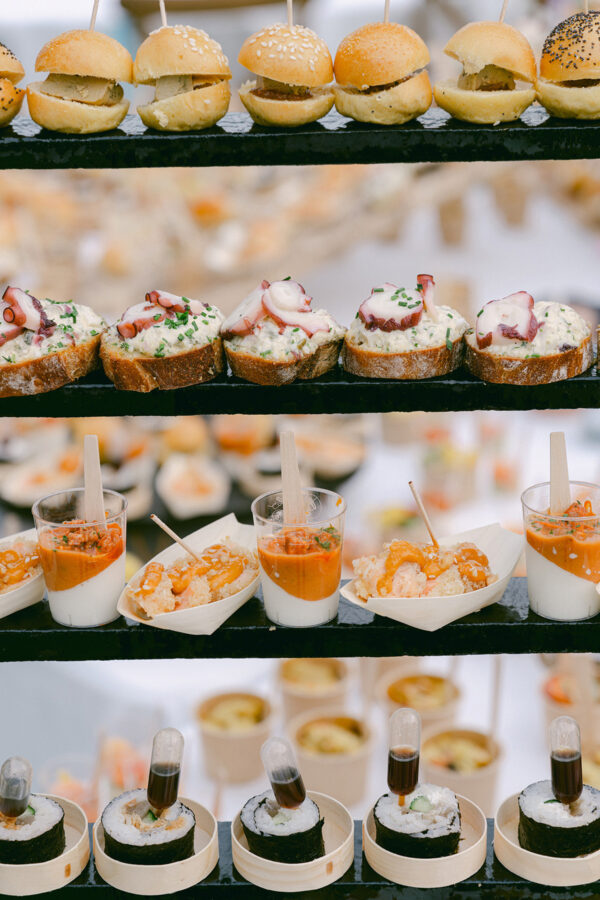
(134, 834)
(35, 836)
(280, 834)
(552, 828)
(426, 826)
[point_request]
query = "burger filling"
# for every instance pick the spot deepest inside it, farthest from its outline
(269, 89)
(490, 78)
(378, 88)
(580, 83)
(83, 89)
(171, 85)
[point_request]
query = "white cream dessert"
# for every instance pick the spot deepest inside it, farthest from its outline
(91, 603)
(276, 322)
(32, 328)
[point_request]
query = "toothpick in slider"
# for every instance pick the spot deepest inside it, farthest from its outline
(163, 13)
(94, 14)
(386, 12)
(503, 11)
(290, 13)
(423, 512)
(175, 537)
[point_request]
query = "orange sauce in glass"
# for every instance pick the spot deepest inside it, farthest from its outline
(573, 546)
(306, 562)
(71, 555)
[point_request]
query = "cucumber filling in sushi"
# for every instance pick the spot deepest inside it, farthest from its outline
(134, 834)
(35, 836)
(551, 828)
(283, 835)
(426, 826)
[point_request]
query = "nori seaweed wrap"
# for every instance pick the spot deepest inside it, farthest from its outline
(283, 835)
(35, 836)
(551, 828)
(425, 827)
(133, 834)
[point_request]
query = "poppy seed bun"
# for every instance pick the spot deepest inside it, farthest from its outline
(569, 102)
(71, 117)
(377, 54)
(88, 53)
(572, 49)
(179, 50)
(287, 113)
(394, 106)
(11, 100)
(482, 107)
(481, 44)
(291, 55)
(10, 67)
(189, 111)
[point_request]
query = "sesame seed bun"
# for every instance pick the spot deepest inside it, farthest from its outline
(572, 49)
(394, 106)
(379, 53)
(292, 55)
(482, 107)
(71, 117)
(88, 53)
(10, 67)
(481, 44)
(286, 113)
(179, 50)
(569, 102)
(190, 111)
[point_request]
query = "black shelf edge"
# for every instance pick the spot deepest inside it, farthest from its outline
(360, 882)
(505, 627)
(335, 392)
(435, 137)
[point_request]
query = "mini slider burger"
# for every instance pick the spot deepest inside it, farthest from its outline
(11, 97)
(495, 57)
(190, 74)
(569, 82)
(380, 74)
(293, 70)
(81, 94)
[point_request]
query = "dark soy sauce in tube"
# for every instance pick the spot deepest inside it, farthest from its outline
(404, 750)
(565, 759)
(165, 769)
(15, 787)
(282, 771)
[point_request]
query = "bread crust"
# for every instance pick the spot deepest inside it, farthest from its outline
(178, 50)
(84, 52)
(302, 57)
(47, 373)
(271, 371)
(11, 100)
(190, 111)
(166, 373)
(286, 113)
(482, 107)
(572, 51)
(10, 66)
(429, 362)
(480, 44)
(70, 116)
(394, 106)
(541, 370)
(569, 102)
(379, 53)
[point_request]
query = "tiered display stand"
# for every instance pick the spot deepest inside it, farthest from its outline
(508, 627)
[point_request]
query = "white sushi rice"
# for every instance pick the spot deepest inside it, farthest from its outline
(442, 819)
(257, 816)
(124, 826)
(538, 802)
(47, 814)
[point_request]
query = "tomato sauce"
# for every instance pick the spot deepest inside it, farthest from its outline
(305, 562)
(71, 554)
(573, 546)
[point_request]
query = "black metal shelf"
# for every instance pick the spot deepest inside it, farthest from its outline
(360, 882)
(335, 392)
(505, 627)
(236, 141)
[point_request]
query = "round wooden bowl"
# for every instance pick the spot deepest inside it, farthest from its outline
(153, 881)
(440, 871)
(478, 786)
(300, 698)
(233, 757)
(338, 833)
(39, 878)
(441, 717)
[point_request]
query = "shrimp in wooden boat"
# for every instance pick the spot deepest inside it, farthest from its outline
(19, 562)
(221, 570)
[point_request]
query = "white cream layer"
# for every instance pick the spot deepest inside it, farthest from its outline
(285, 609)
(92, 603)
(557, 594)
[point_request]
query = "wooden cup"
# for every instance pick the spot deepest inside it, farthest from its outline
(478, 786)
(233, 757)
(300, 698)
(440, 718)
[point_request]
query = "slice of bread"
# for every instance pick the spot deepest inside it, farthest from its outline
(537, 370)
(146, 373)
(260, 370)
(47, 373)
(413, 364)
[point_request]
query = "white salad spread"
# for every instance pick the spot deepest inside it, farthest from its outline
(73, 324)
(428, 333)
(273, 341)
(161, 331)
(560, 329)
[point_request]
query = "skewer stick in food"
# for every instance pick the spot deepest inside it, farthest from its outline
(386, 12)
(94, 15)
(560, 493)
(496, 692)
(586, 6)
(163, 13)
(175, 537)
(93, 497)
(290, 13)
(293, 501)
(503, 11)
(424, 515)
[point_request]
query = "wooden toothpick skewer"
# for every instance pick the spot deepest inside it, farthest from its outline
(290, 12)
(175, 537)
(386, 11)
(586, 6)
(163, 13)
(423, 512)
(503, 11)
(94, 14)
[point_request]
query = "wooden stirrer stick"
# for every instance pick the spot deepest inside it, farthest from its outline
(93, 497)
(293, 501)
(503, 11)
(386, 12)
(94, 14)
(424, 515)
(496, 691)
(586, 6)
(175, 537)
(290, 13)
(163, 13)
(560, 492)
